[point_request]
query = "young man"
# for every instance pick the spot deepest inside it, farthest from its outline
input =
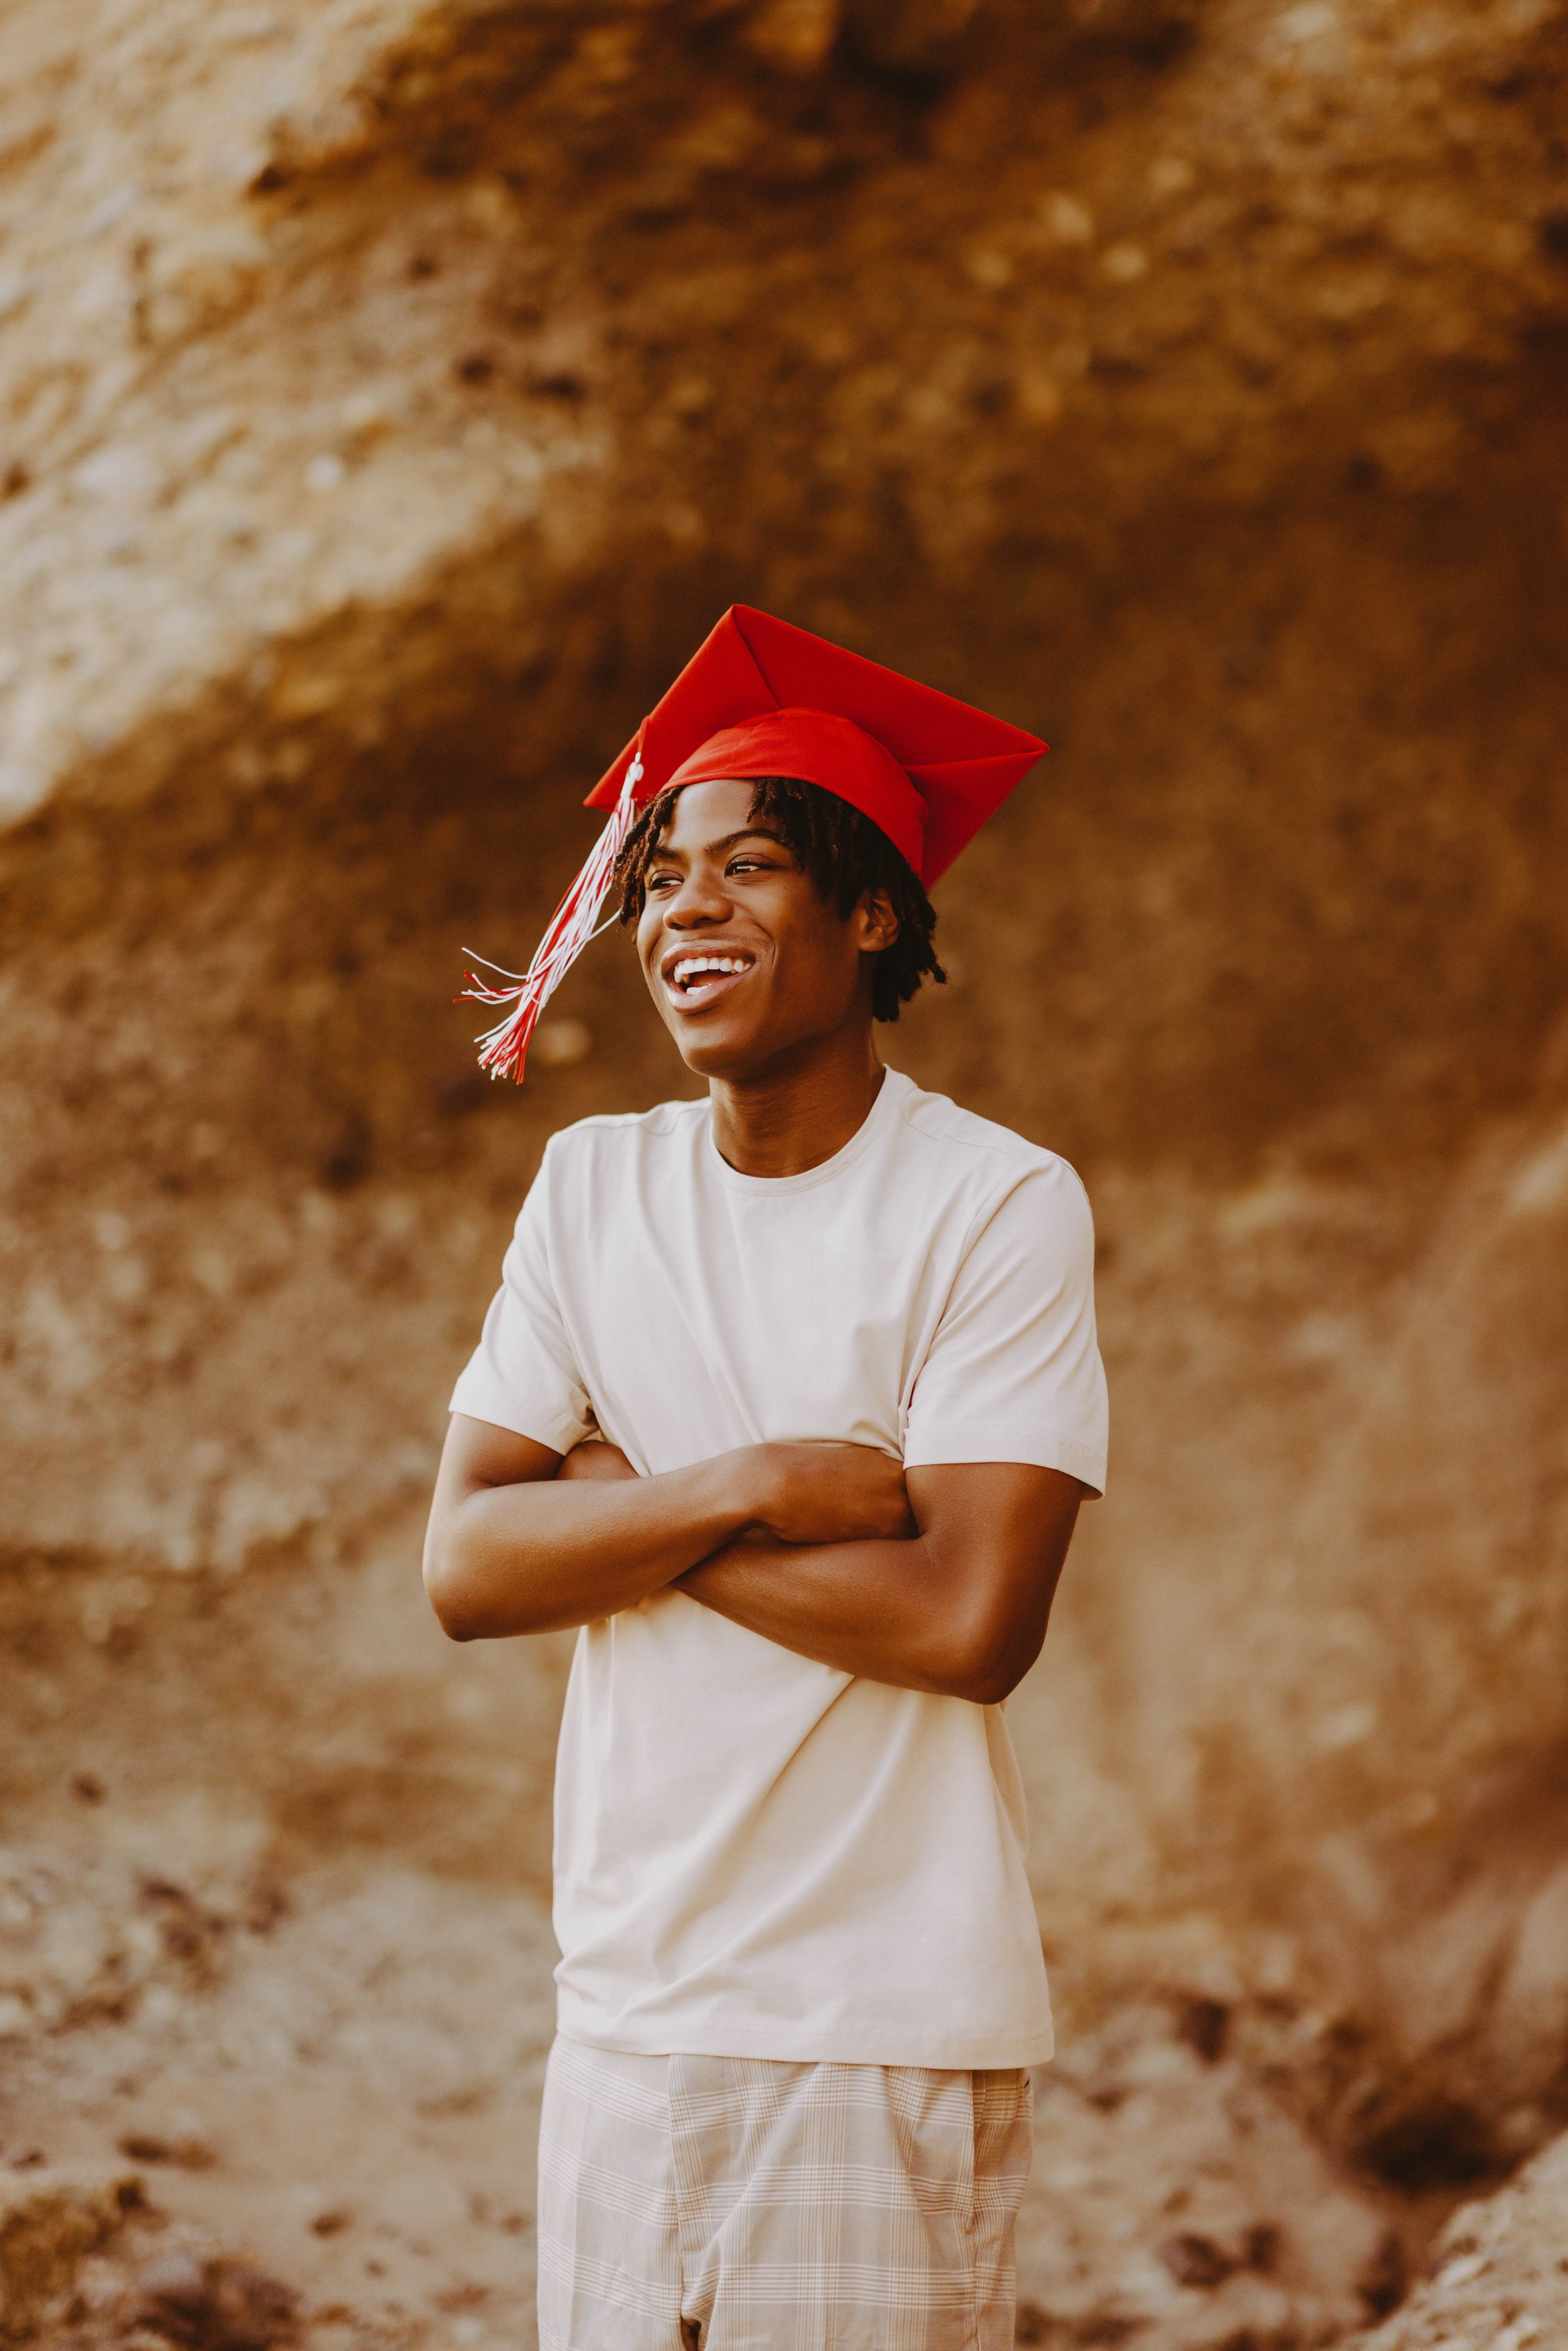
(789, 1399)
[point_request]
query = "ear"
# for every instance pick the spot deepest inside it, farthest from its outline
(874, 922)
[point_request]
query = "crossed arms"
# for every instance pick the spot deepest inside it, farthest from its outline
(940, 1580)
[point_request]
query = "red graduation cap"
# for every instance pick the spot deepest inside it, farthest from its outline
(761, 699)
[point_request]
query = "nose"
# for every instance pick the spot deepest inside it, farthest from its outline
(700, 899)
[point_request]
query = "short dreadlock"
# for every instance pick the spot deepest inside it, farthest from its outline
(845, 855)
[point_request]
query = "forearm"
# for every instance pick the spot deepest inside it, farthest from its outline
(893, 1612)
(958, 1607)
(531, 1558)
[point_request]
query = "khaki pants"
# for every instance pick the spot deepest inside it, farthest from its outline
(742, 2204)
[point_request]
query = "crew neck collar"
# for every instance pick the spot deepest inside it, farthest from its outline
(890, 1094)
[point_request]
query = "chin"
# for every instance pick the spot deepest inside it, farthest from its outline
(724, 1052)
(712, 1057)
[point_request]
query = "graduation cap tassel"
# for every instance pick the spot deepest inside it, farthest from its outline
(574, 923)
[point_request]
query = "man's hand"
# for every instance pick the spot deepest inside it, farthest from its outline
(801, 1493)
(830, 1494)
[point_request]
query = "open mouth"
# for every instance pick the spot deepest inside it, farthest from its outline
(692, 981)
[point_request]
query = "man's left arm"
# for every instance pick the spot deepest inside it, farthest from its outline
(959, 1608)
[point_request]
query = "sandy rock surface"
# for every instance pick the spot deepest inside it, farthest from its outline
(347, 2108)
(1500, 2271)
(392, 392)
(49, 2218)
(306, 2002)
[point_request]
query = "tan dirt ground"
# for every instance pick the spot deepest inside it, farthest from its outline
(306, 1995)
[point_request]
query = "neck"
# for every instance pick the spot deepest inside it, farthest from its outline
(799, 1110)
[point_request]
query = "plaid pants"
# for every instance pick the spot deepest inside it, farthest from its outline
(742, 2204)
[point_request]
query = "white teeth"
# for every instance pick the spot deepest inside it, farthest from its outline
(693, 966)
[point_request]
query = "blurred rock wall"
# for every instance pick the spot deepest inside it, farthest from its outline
(390, 394)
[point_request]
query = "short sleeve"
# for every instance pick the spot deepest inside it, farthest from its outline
(1013, 1372)
(522, 1375)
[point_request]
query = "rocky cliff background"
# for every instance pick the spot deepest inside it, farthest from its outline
(390, 395)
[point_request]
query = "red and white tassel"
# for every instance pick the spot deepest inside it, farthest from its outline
(574, 923)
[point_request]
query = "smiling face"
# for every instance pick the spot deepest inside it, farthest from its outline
(749, 964)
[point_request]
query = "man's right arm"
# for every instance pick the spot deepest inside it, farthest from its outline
(513, 1548)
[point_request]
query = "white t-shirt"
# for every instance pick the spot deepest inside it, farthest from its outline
(755, 1854)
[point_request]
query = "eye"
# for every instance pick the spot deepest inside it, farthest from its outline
(655, 882)
(749, 863)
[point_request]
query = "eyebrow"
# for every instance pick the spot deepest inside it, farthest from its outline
(747, 832)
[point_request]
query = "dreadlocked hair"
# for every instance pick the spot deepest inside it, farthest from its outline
(845, 855)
